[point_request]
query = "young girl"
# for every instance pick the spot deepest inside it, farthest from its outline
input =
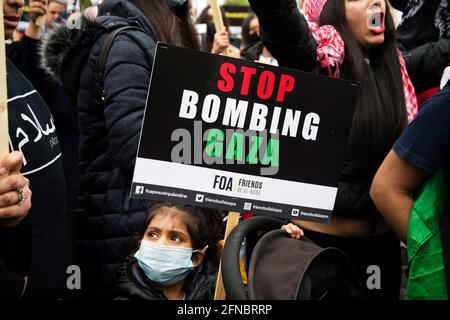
(177, 258)
(352, 39)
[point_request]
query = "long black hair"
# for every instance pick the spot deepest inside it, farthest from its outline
(380, 114)
(172, 25)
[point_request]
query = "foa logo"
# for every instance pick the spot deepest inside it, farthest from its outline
(223, 183)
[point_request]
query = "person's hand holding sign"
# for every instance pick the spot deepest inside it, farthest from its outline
(15, 194)
(221, 42)
(38, 10)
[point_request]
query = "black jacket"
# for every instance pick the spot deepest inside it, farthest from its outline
(25, 56)
(252, 52)
(109, 134)
(133, 284)
(11, 284)
(423, 21)
(39, 247)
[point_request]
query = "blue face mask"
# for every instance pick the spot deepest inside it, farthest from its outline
(174, 3)
(164, 265)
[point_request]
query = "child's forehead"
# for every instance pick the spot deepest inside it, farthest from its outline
(169, 218)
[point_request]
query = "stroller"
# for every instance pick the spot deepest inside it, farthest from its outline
(283, 268)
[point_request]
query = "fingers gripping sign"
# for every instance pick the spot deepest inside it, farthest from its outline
(221, 42)
(38, 10)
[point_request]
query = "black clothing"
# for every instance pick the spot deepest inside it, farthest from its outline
(38, 247)
(133, 284)
(25, 56)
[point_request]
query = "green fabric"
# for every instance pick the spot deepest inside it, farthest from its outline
(426, 280)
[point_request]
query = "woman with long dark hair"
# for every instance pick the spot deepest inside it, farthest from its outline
(109, 130)
(351, 39)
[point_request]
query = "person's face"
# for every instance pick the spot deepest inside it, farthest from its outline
(366, 20)
(167, 228)
(12, 11)
(54, 10)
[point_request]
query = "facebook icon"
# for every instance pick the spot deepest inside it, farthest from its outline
(139, 190)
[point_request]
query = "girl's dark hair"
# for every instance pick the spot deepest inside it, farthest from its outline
(172, 25)
(204, 226)
(380, 113)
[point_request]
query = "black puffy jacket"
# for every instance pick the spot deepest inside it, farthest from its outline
(133, 284)
(109, 134)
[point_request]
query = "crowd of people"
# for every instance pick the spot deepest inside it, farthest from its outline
(74, 135)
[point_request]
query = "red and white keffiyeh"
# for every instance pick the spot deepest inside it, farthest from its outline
(330, 48)
(313, 8)
(412, 106)
(331, 53)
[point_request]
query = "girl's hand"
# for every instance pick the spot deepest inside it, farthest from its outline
(293, 230)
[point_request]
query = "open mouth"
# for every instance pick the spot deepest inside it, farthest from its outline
(375, 23)
(11, 21)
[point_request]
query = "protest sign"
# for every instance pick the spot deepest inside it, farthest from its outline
(240, 136)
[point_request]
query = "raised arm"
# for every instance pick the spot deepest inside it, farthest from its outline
(285, 33)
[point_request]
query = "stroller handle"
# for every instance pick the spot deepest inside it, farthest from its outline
(232, 279)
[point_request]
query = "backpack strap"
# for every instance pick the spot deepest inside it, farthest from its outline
(103, 56)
